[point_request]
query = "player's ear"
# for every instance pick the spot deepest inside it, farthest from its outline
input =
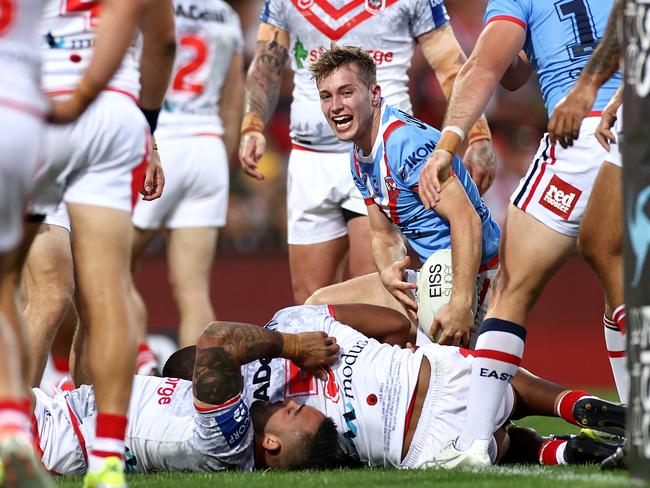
(375, 91)
(271, 443)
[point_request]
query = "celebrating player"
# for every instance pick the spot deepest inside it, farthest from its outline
(197, 135)
(601, 246)
(206, 424)
(326, 214)
(390, 148)
(548, 205)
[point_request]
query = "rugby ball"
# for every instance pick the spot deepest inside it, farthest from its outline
(434, 285)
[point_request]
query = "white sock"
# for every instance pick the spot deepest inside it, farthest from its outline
(617, 351)
(498, 352)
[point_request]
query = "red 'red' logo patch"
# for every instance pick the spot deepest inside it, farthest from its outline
(560, 197)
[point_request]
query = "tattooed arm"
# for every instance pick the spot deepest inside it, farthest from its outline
(261, 96)
(444, 54)
(564, 125)
(224, 346)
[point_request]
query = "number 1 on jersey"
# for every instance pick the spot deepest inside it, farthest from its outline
(90, 6)
(578, 13)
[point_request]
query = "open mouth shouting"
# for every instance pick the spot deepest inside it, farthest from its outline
(342, 122)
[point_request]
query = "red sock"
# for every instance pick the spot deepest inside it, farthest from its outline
(109, 440)
(552, 452)
(15, 416)
(566, 404)
(61, 364)
(619, 317)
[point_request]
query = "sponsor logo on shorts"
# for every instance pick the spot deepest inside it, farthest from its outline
(560, 197)
(234, 424)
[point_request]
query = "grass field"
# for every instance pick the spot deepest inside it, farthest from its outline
(503, 477)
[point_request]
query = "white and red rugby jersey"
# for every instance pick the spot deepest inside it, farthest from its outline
(367, 393)
(20, 57)
(165, 430)
(68, 39)
(385, 28)
(208, 34)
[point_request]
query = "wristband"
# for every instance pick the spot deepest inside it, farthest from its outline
(449, 141)
(252, 122)
(291, 346)
(456, 130)
(152, 117)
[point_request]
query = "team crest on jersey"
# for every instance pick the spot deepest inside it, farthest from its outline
(393, 191)
(375, 6)
(305, 4)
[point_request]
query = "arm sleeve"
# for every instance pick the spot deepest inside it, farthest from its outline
(517, 11)
(224, 432)
(275, 13)
(426, 15)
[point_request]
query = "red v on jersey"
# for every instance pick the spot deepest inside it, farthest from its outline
(335, 33)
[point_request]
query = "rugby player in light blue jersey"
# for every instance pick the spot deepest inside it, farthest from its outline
(547, 207)
(390, 148)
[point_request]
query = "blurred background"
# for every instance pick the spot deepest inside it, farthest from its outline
(251, 275)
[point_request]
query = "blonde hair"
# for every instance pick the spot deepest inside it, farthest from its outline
(336, 56)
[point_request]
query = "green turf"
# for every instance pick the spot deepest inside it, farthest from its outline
(503, 477)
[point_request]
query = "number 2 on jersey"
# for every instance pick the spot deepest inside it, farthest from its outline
(578, 13)
(6, 14)
(200, 49)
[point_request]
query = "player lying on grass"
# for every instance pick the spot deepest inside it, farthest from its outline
(205, 424)
(397, 407)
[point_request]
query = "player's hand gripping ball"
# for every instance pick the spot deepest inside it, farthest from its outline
(435, 281)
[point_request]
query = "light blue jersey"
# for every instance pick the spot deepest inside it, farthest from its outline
(388, 177)
(560, 37)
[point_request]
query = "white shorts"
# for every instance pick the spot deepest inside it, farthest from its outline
(556, 188)
(614, 155)
(59, 217)
(444, 410)
(98, 160)
(59, 435)
(196, 185)
(319, 185)
(21, 151)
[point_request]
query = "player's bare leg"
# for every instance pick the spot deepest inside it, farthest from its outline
(530, 254)
(49, 283)
(360, 261)
(102, 258)
(19, 465)
(314, 266)
(601, 246)
(146, 362)
(190, 254)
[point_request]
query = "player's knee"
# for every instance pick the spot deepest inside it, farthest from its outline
(316, 298)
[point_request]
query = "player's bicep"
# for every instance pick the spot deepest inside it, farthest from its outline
(454, 202)
(499, 43)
